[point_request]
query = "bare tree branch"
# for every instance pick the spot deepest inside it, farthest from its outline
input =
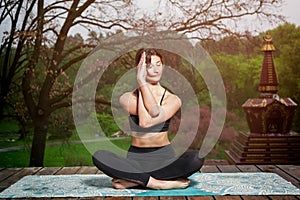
(102, 24)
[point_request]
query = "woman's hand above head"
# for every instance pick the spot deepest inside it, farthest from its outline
(141, 71)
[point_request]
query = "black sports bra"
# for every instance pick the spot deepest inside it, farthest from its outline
(161, 127)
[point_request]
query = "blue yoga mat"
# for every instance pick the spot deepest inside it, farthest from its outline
(100, 185)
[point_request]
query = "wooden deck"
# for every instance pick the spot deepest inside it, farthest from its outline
(291, 173)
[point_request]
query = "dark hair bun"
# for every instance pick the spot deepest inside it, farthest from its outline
(149, 52)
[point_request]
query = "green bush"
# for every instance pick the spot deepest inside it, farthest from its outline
(107, 124)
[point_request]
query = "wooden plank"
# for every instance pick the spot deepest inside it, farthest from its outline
(248, 168)
(287, 197)
(228, 198)
(48, 171)
(172, 198)
(67, 170)
(216, 162)
(255, 197)
(209, 169)
(99, 172)
(94, 198)
(17, 176)
(145, 198)
(228, 168)
(200, 198)
(292, 170)
(87, 170)
(5, 173)
(283, 174)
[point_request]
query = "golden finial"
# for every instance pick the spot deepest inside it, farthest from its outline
(268, 43)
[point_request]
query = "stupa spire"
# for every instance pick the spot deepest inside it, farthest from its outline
(268, 84)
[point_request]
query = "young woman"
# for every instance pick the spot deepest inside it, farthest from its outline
(151, 161)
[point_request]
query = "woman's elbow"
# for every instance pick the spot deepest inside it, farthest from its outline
(145, 124)
(154, 112)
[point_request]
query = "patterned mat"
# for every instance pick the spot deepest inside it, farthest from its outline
(100, 185)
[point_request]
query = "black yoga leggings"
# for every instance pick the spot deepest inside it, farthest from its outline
(141, 163)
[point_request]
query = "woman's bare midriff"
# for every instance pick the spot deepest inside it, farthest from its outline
(150, 139)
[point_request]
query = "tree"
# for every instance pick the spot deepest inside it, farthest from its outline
(15, 38)
(45, 32)
(240, 75)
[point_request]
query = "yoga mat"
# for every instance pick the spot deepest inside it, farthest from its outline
(100, 185)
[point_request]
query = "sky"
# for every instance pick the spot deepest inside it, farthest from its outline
(291, 11)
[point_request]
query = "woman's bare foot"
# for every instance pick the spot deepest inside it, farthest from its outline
(167, 184)
(123, 184)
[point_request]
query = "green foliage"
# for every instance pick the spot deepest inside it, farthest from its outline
(287, 42)
(240, 75)
(233, 46)
(61, 124)
(107, 124)
(9, 125)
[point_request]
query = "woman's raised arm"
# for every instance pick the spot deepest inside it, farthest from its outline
(170, 106)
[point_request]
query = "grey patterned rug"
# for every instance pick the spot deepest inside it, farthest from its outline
(100, 185)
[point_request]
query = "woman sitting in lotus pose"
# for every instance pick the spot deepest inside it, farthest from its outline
(151, 161)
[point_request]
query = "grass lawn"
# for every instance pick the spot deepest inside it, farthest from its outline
(68, 153)
(76, 154)
(61, 155)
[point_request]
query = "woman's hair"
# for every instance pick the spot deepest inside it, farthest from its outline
(149, 52)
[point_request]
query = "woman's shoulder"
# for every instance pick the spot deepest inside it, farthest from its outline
(128, 95)
(128, 101)
(169, 92)
(171, 97)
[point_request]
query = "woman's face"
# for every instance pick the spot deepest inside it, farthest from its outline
(154, 70)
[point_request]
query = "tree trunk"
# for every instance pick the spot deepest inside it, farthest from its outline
(2, 102)
(39, 142)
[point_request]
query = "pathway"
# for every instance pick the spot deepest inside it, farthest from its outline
(14, 148)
